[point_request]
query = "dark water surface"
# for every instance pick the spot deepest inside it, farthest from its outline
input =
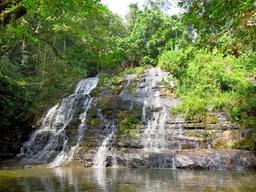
(125, 180)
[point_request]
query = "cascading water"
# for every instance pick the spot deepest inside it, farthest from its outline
(67, 155)
(50, 143)
(159, 136)
(101, 156)
(154, 134)
(100, 159)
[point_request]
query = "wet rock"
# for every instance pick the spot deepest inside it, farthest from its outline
(135, 144)
(228, 138)
(215, 159)
(141, 159)
(132, 105)
(190, 137)
(202, 159)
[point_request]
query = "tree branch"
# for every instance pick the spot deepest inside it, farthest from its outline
(6, 16)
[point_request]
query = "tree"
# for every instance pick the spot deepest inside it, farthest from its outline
(45, 52)
(151, 31)
(215, 19)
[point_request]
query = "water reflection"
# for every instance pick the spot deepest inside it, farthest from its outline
(100, 178)
(124, 180)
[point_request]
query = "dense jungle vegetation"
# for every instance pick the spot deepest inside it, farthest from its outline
(47, 46)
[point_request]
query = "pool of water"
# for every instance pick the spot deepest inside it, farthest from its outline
(78, 179)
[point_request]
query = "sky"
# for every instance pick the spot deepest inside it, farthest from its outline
(121, 7)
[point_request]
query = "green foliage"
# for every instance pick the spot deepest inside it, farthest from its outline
(132, 70)
(215, 19)
(213, 81)
(175, 61)
(44, 54)
(56, 43)
(151, 32)
(135, 70)
(14, 97)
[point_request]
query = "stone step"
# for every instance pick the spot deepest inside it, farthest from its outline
(163, 145)
(194, 126)
(184, 138)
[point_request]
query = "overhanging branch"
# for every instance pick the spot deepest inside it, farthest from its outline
(7, 15)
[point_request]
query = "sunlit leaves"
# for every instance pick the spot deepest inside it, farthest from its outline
(151, 31)
(212, 18)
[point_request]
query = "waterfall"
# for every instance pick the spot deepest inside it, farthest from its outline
(67, 155)
(50, 143)
(154, 114)
(100, 159)
(173, 163)
(155, 133)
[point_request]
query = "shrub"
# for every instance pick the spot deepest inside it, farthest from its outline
(175, 61)
(209, 80)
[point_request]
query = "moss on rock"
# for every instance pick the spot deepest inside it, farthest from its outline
(248, 122)
(129, 122)
(116, 89)
(92, 112)
(211, 118)
(104, 102)
(132, 87)
(88, 144)
(227, 139)
(248, 143)
(96, 92)
(93, 122)
(205, 134)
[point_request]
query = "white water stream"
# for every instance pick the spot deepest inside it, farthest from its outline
(101, 155)
(155, 134)
(50, 143)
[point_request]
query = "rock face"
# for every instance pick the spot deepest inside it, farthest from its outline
(148, 135)
(199, 159)
(126, 122)
(215, 159)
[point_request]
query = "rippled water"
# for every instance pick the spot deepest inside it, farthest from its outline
(125, 180)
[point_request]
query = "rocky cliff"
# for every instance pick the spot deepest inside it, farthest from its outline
(146, 134)
(128, 121)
